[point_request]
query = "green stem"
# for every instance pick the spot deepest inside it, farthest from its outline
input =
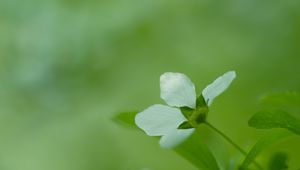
(231, 142)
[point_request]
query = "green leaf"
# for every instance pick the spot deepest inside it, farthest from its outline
(198, 153)
(186, 111)
(200, 102)
(283, 99)
(126, 119)
(185, 125)
(262, 144)
(219, 148)
(278, 161)
(193, 149)
(267, 119)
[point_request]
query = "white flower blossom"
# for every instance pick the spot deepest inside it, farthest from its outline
(178, 91)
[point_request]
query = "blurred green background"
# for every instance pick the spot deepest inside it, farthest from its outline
(67, 67)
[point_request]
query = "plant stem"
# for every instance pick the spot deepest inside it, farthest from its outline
(227, 138)
(231, 142)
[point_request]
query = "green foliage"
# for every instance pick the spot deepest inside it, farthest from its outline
(186, 111)
(200, 102)
(220, 150)
(262, 144)
(197, 152)
(126, 119)
(278, 161)
(268, 119)
(193, 149)
(185, 125)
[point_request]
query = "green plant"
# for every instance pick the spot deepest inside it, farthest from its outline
(178, 124)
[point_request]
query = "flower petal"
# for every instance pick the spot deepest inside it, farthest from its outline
(158, 120)
(218, 86)
(177, 90)
(175, 137)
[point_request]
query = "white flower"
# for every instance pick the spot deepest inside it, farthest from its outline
(178, 91)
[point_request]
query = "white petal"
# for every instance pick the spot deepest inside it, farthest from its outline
(218, 86)
(158, 120)
(177, 90)
(175, 138)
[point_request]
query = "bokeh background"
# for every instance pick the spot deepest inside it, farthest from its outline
(67, 67)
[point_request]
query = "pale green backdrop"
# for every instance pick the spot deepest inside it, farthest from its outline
(67, 67)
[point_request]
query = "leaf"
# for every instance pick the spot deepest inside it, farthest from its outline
(185, 125)
(278, 161)
(193, 149)
(283, 99)
(197, 152)
(262, 144)
(186, 111)
(219, 149)
(200, 102)
(126, 119)
(267, 119)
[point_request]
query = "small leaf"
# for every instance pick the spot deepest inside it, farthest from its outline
(197, 152)
(278, 161)
(126, 119)
(219, 148)
(267, 119)
(283, 99)
(262, 144)
(200, 102)
(185, 125)
(186, 111)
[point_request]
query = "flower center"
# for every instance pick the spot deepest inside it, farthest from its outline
(198, 116)
(194, 117)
